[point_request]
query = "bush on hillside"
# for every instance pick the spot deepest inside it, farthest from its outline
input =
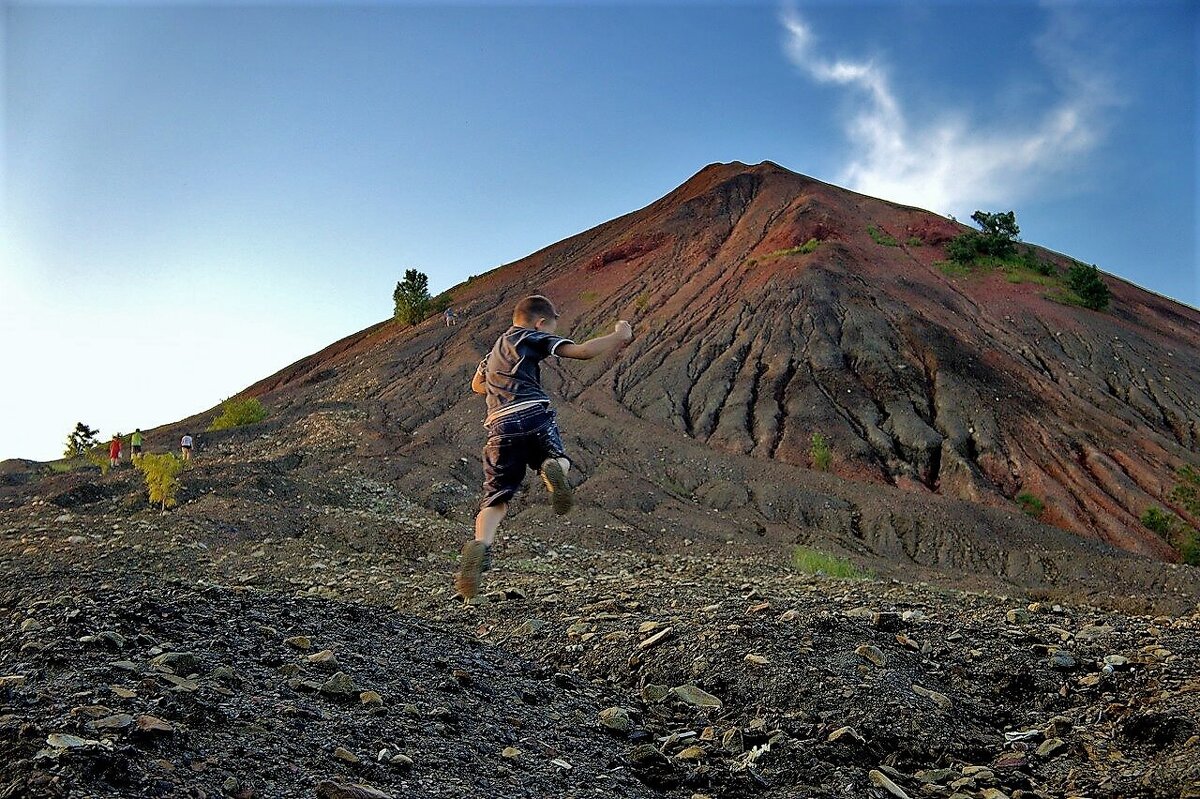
(997, 237)
(1087, 284)
(237, 412)
(1158, 520)
(161, 473)
(820, 452)
(1187, 489)
(1031, 504)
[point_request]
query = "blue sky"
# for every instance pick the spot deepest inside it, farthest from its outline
(195, 195)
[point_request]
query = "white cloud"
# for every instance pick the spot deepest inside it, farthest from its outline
(952, 164)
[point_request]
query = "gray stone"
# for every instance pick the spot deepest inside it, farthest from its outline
(616, 719)
(340, 685)
(695, 696)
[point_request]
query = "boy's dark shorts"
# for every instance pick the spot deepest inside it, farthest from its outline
(516, 442)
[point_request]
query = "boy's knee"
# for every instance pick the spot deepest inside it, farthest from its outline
(565, 464)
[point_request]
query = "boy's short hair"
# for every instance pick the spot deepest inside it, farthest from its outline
(532, 308)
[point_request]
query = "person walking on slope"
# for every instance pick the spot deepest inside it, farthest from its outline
(114, 451)
(185, 445)
(451, 317)
(135, 445)
(522, 428)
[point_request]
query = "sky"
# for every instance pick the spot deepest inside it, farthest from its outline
(195, 195)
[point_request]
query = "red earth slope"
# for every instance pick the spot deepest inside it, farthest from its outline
(943, 397)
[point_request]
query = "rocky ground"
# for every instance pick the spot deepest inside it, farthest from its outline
(245, 649)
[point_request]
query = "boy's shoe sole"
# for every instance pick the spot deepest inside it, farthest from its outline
(469, 568)
(561, 495)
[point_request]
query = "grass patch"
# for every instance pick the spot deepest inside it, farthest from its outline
(589, 296)
(642, 301)
(953, 268)
(1016, 269)
(915, 241)
(881, 238)
(803, 249)
(1064, 296)
(814, 561)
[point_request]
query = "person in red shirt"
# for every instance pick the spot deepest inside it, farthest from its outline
(114, 451)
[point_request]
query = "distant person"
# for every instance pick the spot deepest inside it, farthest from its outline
(451, 317)
(185, 444)
(135, 444)
(114, 451)
(522, 431)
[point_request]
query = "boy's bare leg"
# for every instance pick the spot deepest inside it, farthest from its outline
(554, 475)
(476, 553)
(488, 521)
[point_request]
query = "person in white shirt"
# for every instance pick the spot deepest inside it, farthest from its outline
(186, 445)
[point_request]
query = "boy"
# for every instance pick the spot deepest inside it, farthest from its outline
(135, 445)
(521, 426)
(114, 452)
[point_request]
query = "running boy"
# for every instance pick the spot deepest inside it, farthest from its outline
(522, 432)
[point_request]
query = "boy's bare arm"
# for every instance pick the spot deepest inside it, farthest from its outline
(602, 345)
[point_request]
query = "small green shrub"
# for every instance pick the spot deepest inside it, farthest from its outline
(881, 238)
(1030, 504)
(915, 241)
(814, 561)
(820, 452)
(1089, 286)
(642, 301)
(1187, 489)
(439, 304)
(1033, 262)
(237, 412)
(1189, 548)
(98, 456)
(161, 473)
(1158, 520)
(997, 237)
(589, 296)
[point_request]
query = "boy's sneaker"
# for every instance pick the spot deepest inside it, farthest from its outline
(470, 566)
(556, 483)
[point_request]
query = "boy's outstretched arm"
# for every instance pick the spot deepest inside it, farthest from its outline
(622, 334)
(479, 382)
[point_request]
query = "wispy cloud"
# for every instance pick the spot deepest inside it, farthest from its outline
(951, 163)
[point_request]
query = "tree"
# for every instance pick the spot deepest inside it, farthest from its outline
(411, 297)
(1087, 284)
(1002, 225)
(997, 237)
(81, 439)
